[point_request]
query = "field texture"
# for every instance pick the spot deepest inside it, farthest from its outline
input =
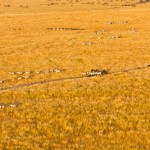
(46, 103)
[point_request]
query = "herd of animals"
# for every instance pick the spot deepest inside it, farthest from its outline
(20, 75)
(28, 74)
(24, 75)
(53, 3)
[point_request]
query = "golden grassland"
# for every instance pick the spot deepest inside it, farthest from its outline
(97, 113)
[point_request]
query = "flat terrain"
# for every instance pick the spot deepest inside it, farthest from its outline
(45, 101)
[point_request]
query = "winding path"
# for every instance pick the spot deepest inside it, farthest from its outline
(65, 79)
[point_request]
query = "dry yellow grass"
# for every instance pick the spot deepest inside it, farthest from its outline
(98, 113)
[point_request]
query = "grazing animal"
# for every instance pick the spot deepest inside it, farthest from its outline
(28, 72)
(26, 77)
(19, 72)
(37, 72)
(1, 81)
(95, 72)
(12, 105)
(19, 78)
(57, 70)
(2, 106)
(11, 73)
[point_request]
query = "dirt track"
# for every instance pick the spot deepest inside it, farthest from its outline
(38, 83)
(64, 79)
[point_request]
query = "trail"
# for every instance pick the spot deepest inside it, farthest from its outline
(28, 14)
(38, 83)
(66, 79)
(42, 13)
(21, 14)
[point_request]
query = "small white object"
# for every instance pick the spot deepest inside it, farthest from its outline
(37, 72)
(1, 81)
(84, 73)
(51, 70)
(11, 73)
(2, 106)
(57, 70)
(19, 78)
(12, 105)
(19, 72)
(26, 77)
(27, 72)
(114, 37)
